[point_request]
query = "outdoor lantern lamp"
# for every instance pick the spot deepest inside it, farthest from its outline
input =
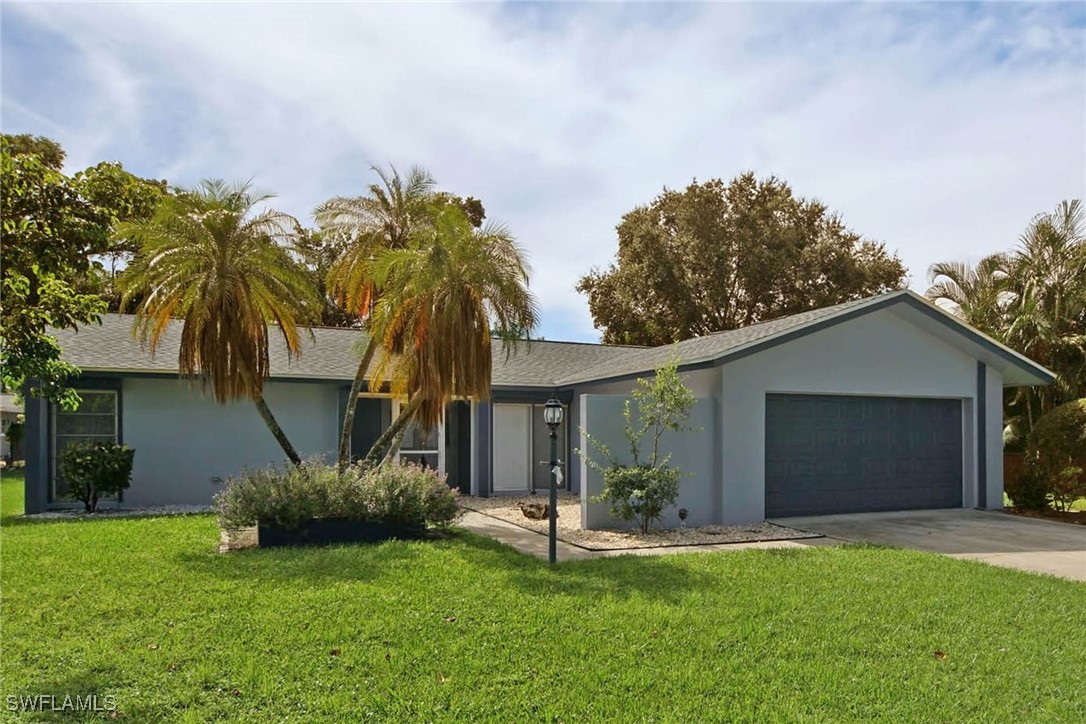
(552, 415)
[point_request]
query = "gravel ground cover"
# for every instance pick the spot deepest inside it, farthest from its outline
(507, 508)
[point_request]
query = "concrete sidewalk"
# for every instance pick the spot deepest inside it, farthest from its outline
(535, 544)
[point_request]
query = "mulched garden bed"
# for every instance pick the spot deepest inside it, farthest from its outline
(1063, 516)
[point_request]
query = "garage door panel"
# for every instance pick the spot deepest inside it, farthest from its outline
(836, 454)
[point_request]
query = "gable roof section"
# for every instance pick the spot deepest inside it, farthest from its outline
(722, 346)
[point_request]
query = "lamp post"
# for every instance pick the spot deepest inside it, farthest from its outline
(552, 415)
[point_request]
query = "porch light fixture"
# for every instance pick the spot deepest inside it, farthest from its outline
(552, 415)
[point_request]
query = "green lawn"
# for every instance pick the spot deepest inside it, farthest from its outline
(464, 629)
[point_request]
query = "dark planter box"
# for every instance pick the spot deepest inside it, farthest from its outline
(329, 531)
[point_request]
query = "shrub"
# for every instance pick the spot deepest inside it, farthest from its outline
(94, 470)
(1056, 452)
(406, 495)
(640, 493)
(284, 496)
(1028, 490)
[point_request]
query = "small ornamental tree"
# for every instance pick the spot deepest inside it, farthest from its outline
(94, 470)
(642, 490)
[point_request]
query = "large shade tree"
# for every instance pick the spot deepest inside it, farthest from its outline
(446, 295)
(57, 229)
(218, 260)
(718, 256)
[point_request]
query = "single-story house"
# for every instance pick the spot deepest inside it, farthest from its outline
(883, 403)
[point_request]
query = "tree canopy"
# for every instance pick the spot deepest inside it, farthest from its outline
(718, 256)
(55, 229)
(1033, 299)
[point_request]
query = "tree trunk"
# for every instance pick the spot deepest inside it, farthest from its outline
(269, 420)
(395, 430)
(352, 405)
(394, 447)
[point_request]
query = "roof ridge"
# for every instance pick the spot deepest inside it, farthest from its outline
(125, 315)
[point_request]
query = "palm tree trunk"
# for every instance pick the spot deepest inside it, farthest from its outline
(269, 420)
(352, 405)
(394, 446)
(384, 443)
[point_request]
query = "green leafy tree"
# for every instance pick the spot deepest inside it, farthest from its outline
(55, 230)
(48, 151)
(94, 470)
(211, 257)
(719, 256)
(318, 254)
(1056, 453)
(646, 486)
(49, 233)
(444, 297)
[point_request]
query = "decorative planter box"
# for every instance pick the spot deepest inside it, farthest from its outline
(329, 531)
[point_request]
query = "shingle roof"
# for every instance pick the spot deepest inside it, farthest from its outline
(329, 354)
(333, 353)
(703, 349)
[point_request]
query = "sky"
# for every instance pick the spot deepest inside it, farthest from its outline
(939, 129)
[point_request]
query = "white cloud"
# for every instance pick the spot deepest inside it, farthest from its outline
(940, 130)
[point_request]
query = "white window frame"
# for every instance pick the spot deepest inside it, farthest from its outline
(53, 471)
(396, 405)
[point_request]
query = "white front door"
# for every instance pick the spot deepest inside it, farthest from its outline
(422, 448)
(512, 447)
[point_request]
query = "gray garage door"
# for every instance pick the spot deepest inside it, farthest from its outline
(834, 454)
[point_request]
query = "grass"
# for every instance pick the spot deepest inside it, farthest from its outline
(465, 629)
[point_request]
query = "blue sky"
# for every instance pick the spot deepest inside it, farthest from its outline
(940, 129)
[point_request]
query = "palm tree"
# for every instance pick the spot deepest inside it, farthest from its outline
(210, 258)
(977, 294)
(385, 218)
(445, 296)
(1048, 314)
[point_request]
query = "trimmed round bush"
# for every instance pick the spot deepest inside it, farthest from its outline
(95, 470)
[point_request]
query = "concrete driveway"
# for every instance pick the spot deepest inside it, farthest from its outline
(1028, 544)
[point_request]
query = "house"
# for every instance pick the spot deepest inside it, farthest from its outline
(883, 403)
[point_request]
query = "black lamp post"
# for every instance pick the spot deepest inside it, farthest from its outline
(552, 415)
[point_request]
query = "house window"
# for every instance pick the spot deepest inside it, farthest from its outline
(420, 447)
(95, 420)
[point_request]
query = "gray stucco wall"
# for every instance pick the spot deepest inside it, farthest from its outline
(877, 354)
(691, 451)
(184, 440)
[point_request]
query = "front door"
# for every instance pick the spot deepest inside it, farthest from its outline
(421, 447)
